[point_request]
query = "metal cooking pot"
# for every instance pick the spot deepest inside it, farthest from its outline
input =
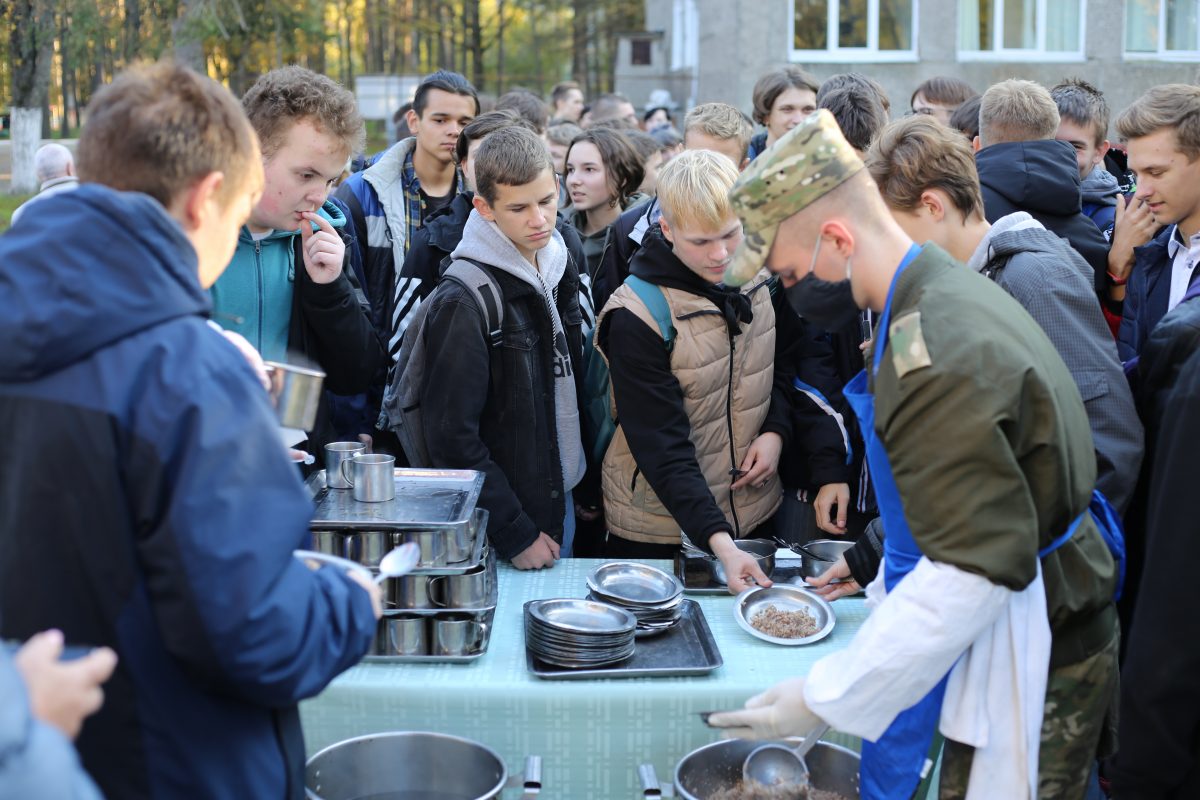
(295, 394)
(826, 552)
(717, 766)
(763, 551)
(413, 764)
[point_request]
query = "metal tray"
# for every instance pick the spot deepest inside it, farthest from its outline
(488, 606)
(477, 528)
(489, 618)
(693, 571)
(425, 498)
(685, 649)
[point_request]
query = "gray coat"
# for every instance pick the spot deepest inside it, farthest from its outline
(1054, 284)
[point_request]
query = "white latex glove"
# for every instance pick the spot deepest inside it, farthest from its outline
(777, 713)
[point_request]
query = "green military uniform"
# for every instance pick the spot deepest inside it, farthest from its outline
(988, 443)
(991, 451)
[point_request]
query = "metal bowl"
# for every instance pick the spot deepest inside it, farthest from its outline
(784, 597)
(712, 768)
(763, 551)
(827, 552)
(634, 583)
(581, 616)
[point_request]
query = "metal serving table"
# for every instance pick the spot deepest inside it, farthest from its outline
(591, 734)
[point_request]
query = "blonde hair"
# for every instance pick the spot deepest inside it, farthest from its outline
(720, 121)
(693, 190)
(1017, 111)
(1172, 105)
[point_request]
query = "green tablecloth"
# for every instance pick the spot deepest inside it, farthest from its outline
(591, 734)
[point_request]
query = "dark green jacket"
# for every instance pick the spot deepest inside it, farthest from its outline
(990, 447)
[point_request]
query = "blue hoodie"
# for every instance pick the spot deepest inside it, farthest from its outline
(148, 506)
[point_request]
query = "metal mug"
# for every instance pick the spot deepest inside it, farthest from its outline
(368, 547)
(295, 393)
(372, 476)
(403, 635)
(468, 590)
(460, 543)
(410, 591)
(432, 544)
(458, 635)
(329, 542)
(335, 454)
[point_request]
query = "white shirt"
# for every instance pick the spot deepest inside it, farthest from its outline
(1184, 259)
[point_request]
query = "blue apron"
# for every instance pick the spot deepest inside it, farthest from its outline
(891, 767)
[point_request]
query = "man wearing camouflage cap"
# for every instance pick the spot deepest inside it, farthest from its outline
(992, 616)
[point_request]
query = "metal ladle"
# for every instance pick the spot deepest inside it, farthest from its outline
(780, 765)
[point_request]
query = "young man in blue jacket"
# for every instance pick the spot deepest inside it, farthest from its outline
(151, 509)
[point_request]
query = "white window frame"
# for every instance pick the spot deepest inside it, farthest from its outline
(1162, 53)
(1039, 53)
(840, 55)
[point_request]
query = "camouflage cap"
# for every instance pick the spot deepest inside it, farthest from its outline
(806, 163)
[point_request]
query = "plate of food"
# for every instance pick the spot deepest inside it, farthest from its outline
(784, 614)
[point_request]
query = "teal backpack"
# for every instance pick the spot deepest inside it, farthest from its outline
(599, 425)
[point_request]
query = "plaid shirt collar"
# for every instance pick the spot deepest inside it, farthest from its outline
(414, 205)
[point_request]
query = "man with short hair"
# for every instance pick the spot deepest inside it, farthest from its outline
(567, 100)
(613, 106)
(519, 427)
(993, 618)
(55, 169)
(1022, 168)
(858, 114)
(391, 200)
(289, 289)
(782, 98)
(173, 544)
(1083, 124)
(1162, 132)
(528, 106)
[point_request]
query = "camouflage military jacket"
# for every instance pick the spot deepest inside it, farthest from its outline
(990, 446)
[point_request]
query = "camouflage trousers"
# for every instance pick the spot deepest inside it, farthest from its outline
(1079, 726)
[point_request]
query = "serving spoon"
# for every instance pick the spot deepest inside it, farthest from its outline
(780, 765)
(397, 562)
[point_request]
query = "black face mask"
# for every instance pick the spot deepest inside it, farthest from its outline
(827, 304)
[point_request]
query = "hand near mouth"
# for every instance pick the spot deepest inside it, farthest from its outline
(324, 251)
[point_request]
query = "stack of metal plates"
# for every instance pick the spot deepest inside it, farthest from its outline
(578, 634)
(653, 596)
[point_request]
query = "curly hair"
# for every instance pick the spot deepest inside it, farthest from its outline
(284, 96)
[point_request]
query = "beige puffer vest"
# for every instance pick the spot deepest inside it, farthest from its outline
(717, 396)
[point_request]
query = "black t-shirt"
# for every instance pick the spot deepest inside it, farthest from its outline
(431, 204)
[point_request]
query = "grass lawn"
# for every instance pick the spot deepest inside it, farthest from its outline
(8, 204)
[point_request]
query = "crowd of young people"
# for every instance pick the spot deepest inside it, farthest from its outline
(666, 342)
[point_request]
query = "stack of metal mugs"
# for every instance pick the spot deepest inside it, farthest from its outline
(441, 611)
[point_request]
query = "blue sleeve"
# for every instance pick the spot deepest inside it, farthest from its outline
(1128, 339)
(220, 509)
(36, 760)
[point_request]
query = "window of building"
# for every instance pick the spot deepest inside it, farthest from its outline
(1020, 29)
(854, 30)
(639, 54)
(1167, 29)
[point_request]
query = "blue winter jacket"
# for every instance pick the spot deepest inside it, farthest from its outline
(146, 504)
(1147, 293)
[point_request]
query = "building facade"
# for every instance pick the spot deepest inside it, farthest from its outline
(706, 50)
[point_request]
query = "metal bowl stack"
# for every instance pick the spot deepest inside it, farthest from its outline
(578, 634)
(654, 597)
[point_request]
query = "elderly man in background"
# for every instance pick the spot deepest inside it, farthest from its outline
(55, 169)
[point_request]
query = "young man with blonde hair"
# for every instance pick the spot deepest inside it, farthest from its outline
(1162, 133)
(1022, 168)
(175, 546)
(701, 421)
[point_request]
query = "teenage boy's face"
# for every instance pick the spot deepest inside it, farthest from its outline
(1083, 139)
(443, 118)
(730, 148)
(941, 113)
(570, 107)
(1167, 180)
(215, 234)
(705, 252)
(526, 213)
(558, 154)
(789, 110)
(299, 176)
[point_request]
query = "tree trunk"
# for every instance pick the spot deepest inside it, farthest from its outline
(500, 47)
(534, 12)
(579, 50)
(64, 127)
(477, 69)
(132, 30)
(31, 48)
(185, 35)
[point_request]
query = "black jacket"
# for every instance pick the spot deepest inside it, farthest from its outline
(1160, 697)
(652, 411)
(442, 232)
(493, 409)
(1042, 178)
(624, 238)
(1147, 294)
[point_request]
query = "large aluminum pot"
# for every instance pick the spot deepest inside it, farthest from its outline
(718, 766)
(413, 764)
(295, 394)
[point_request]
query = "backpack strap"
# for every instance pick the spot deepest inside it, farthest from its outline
(655, 301)
(480, 283)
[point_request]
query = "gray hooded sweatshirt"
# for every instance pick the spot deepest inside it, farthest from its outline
(484, 242)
